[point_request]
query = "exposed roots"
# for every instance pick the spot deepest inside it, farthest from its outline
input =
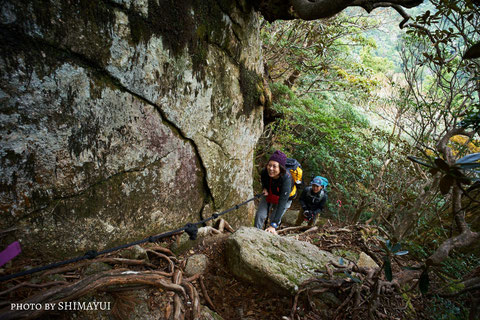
(361, 290)
(184, 300)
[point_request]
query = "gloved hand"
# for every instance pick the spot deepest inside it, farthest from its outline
(308, 215)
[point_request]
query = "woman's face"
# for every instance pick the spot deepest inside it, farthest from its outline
(273, 168)
(316, 189)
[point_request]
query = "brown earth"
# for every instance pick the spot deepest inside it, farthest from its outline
(234, 299)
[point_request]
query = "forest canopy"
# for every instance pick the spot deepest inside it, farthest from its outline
(392, 119)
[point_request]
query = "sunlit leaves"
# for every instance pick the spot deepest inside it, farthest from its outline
(308, 54)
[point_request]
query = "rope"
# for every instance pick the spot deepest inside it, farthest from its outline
(190, 228)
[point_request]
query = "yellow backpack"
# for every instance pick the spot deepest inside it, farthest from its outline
(296, 172)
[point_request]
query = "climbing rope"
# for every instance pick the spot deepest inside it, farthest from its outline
(190, 228)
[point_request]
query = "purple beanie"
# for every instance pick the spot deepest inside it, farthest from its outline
(280, 157)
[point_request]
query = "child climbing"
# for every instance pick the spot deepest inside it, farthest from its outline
(312, 200)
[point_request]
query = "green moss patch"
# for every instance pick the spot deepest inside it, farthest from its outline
(251, 85)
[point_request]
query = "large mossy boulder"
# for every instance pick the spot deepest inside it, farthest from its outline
(273, 261)
(122, 119)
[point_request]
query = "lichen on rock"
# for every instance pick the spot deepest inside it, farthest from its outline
(275, 262)
(121, 119)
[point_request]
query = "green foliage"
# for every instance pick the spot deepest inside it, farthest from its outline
(322, 56)
(374, 63)
(445, 309)
(330, 137)
(328, 74)
(472, 118)
(308, 121)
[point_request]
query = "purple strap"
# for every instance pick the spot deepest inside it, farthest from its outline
(11, 252)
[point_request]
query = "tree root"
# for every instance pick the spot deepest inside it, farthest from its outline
(104, 260)
(205, 294)
(33, 285)
(120, 283)
(170, 262)
(162, 250)
(179, 309)
(363, 286)
(94, 283)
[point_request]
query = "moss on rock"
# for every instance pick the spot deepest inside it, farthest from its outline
(275, 262)
(251, 85)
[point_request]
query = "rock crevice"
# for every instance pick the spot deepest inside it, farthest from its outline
(120, 120)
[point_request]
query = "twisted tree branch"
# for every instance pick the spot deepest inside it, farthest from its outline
(318, 9)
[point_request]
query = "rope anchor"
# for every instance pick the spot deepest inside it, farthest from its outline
(192, 230)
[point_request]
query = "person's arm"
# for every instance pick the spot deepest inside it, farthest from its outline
(264, 180)
(282, 201)
(303, 199)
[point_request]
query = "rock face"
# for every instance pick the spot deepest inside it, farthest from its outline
(366, 261)
(290, 217)
(272, 261)
(183, 242)
(120, 119)
(196, 264)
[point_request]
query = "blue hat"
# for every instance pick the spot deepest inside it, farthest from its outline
(320, 181)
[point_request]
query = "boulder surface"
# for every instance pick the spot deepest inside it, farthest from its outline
(273, 261)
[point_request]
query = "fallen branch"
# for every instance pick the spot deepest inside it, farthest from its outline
(313, 229)
(297, 228)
